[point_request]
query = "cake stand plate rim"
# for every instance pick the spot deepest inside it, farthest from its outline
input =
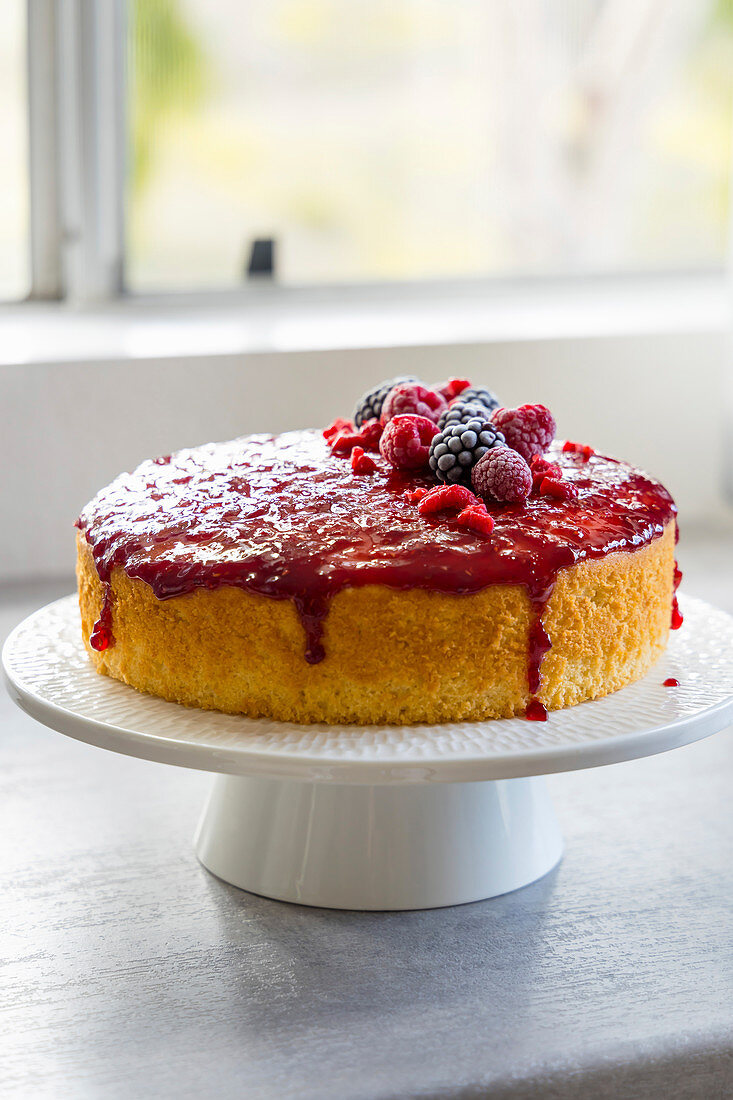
(337, 766)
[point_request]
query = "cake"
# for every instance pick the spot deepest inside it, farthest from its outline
(361, 575)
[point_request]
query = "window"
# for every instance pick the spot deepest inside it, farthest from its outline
(196, 143)
(14, 243)
(412, 139)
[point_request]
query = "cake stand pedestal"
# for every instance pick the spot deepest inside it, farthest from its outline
(376, 817)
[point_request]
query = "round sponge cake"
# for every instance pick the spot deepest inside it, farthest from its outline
(264, 577)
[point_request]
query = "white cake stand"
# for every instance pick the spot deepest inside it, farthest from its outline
(376, 817)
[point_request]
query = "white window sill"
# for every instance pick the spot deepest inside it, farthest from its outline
(277, 320)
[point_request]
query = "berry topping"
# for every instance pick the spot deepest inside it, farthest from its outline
(476, 518)
(479, 395)
(561, 490)
(676, 577)
(541, 468)
(456, 450)
(452, 387)
(412, 399)
(369, 405)
(362, 463)
(671, 682)
(345, 441)
(443, 497)
(502, 474)
(412, 496)
(530, 429)
(405, 442)
(337, 428)
(578, 448)
(460, 412)
(371, 433)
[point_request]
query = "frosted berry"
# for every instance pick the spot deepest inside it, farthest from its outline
(452, 387)
(456, 450)
(502, 474)
(412, 399)
(405, 442)
(369, 405)
(530, 429)
(459, 412)
(479, 395)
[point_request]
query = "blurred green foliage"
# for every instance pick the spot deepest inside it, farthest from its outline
(169, 75)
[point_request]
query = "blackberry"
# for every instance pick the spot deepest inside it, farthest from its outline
(479, 395)
(369, 405)
(460, 412)
(456, 449)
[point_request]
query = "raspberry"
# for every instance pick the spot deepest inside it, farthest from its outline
(502, 474)
(362, 463)
(405, 442)
(561, 490)
(339, 425)
(541, 468)
(412, 496)
(412, 399)
(371, 433)
(443, 497)
(476, 518)
(345, 442)
(369, 405)
(578, 448)
(530, 429)
(452, 387)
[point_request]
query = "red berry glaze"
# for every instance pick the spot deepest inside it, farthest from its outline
(530, 429)
(412, 399)
(502, 474)
(671, 682)
(536, 711)
(405, 442)
(677, 617)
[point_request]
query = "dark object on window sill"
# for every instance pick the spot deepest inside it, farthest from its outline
(261, 263)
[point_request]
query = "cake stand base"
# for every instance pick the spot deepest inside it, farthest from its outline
(342, 846)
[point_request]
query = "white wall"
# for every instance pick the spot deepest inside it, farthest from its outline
(66, 430)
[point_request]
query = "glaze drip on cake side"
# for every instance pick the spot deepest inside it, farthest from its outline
(283, 517)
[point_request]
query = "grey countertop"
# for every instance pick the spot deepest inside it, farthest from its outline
(129, 971)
